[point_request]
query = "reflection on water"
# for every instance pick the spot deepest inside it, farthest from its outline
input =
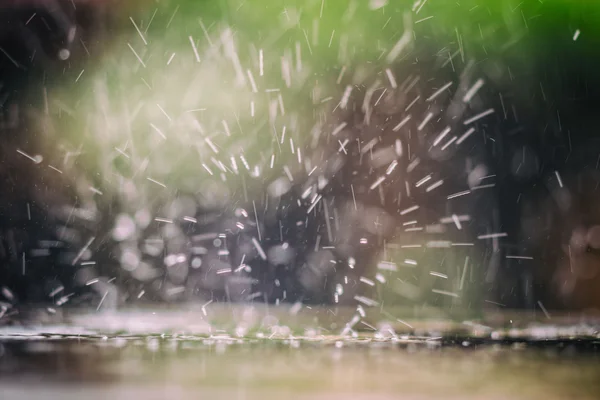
(154, 367)
(276, 356)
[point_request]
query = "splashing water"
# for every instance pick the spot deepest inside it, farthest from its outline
(277, 154)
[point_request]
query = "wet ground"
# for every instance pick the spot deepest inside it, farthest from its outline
(261, 355)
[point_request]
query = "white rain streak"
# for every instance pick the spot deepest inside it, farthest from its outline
(245, 162)
(259, 248)
(137, 55)
(366, 301)
(438, 274)
(207, 169)
(343, 146)
(492, 235)
(339, 128)
(401, 123)
(405, 323)
(464, 273)
(519, 257)
(427, 118)
(367, 147)
(413, 164)
(558, 178)
(423, 181)
(418, 5)
(434, 185)
(387, 266)
(211, 145)
(423, 19)
(544, 309)
(377, 182)
(171, 59)
(445, 146)
(403, 42)
(445, 293)
(341, 75)
(138, 31)
(441, 136)
(412, 103)
(473, 91)
(286, 72)
(477, 117)
(345, 97)
(252, 82)
(409, 210)
(456, 221)
(79, 76)
(465, 136)
(83, 250)
(298, 57)
(158, 130)
(194, 48)
(314, 203)
(367, 281)
(102, 301)
(391, 78)
(458, 194)
(438, 244)
(156, 182)
(439, 91)
(164, 112)
(391, 167)
(256, 219)
(36, 159)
